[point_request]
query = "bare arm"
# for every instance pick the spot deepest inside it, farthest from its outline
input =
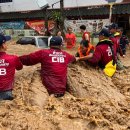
(86, 57)
(86, 37)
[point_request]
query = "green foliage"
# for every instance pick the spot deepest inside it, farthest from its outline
(78, 35)
(56, 16)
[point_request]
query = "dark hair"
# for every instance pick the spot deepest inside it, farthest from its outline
(83, 27)
(85, 43)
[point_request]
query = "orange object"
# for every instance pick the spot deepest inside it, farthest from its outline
(87, 50)
(70, 40)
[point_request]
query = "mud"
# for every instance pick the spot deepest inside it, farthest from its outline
(93, 101)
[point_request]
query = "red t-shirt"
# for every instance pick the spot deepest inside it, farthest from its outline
(116, 42)
(102, 55)
(70, 40)
(53, 67)
(8, 64)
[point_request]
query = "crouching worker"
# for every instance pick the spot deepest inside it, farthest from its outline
(104, 55)
(54, 63)
(85, 51)
(124, 41)
(8, 64)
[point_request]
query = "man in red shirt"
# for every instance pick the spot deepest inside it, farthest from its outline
(85, 34)
(103, 53)
(54, 63)
(115, 38)
(8, 64)
(70, 38)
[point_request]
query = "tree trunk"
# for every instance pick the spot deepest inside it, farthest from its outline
(62, 15)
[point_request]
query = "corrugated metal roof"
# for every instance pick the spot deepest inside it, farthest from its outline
(25, 5)
(76, 3)
(73, 12)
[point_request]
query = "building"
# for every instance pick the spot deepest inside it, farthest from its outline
(121, 13)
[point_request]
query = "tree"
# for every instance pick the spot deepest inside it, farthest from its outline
(58, 17)
(62, 13)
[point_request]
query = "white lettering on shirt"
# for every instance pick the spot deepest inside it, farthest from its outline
(109, 51)
(57, 57)
(2, 71)
(2, 61)
(3, 64)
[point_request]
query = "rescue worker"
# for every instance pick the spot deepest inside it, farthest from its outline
(70, 38)
(85, 50)
(115, 38)
(8, 65)
(124, 41)
(85, 34)
(104, 52)
(54, 64)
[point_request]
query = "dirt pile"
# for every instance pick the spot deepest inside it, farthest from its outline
(94, 101)
(108, 102)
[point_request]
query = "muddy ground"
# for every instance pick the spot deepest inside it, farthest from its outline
(93, 101)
